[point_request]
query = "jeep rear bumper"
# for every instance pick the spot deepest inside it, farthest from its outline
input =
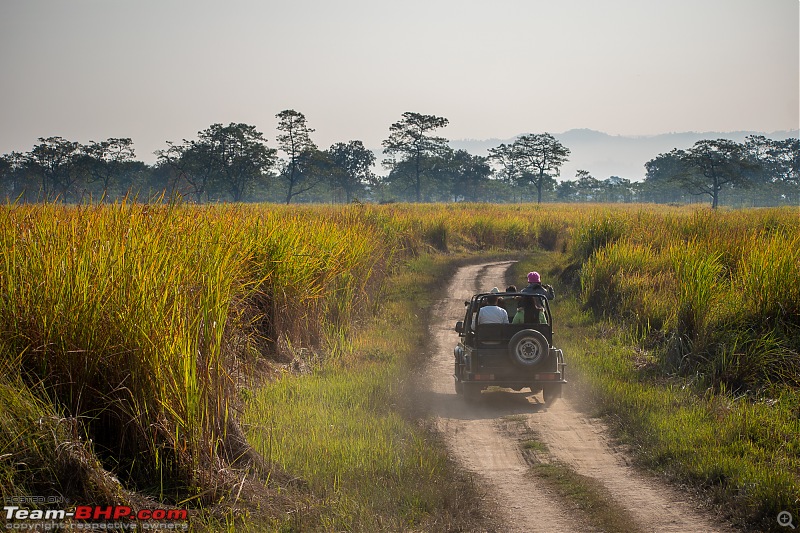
(489, 379)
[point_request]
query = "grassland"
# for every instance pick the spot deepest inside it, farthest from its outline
(235, 359)
(702, 374)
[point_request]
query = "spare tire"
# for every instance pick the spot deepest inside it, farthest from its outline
(528, 348)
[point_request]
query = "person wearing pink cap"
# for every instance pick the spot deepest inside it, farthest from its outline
(535, 286)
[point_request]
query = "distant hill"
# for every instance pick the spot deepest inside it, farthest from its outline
(605, 155)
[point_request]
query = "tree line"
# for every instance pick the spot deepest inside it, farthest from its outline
(235, 163)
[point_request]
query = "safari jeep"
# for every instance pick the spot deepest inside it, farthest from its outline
(508, 355)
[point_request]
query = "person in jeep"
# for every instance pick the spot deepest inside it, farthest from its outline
(491, 313)
(535, 286)
(510, 303)
(529, 311)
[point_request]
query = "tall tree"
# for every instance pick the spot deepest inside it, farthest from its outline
(664, 167)
(566, 191)
(14, 173)
(467, 175)
(710, 165)
(783, 160)
(55, 160)
(352, 167)
(661, 179)
(787, 153)
(503, 157)
(587, 187)
(295, 141)
(505, 168)
(616, 189)
(243, 157)
(537, 160)
(226, 160)
(411, 142)
(6, 172)
(193, 164)
(106, 160)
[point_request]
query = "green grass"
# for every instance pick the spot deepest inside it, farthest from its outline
(718, 287)
(143, 327)
(588, 495)
(132, 335)
(129, 319)
(741, 452)
(348, 430)
(743, 455)
(336, 430)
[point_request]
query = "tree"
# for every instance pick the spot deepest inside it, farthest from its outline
(661, 179)
(400, 183)
(588, 187)
(192, 163)
(710, 165)
(296, 143)
(539, 158)
(700, 170)
(665, 167)
(14, 174)
(242, 156)
(410, 145)
(467, 175)
(503, 157)
(616, 189)
(779, 160)
(158, 181)
(786, 156)
(566, 191)
(225, 160)
(351, 167)
(107, 160)
(505, 168)
(6, 172)
(54, 160)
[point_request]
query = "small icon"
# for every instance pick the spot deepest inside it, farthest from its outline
(785, 519)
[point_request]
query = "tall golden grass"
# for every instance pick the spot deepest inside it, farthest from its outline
(122, 316)
(125, 329)
(720, 285)
(133, 322)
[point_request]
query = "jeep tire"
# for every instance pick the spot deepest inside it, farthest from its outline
(528, 348)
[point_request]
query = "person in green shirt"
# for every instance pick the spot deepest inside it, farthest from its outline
(529, 312)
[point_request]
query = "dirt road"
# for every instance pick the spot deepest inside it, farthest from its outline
(478, 437)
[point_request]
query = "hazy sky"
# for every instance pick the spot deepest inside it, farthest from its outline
(162, 70)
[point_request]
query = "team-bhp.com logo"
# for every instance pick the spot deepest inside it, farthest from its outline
(95, 518)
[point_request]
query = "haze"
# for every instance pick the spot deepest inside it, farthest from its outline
(157, 71)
